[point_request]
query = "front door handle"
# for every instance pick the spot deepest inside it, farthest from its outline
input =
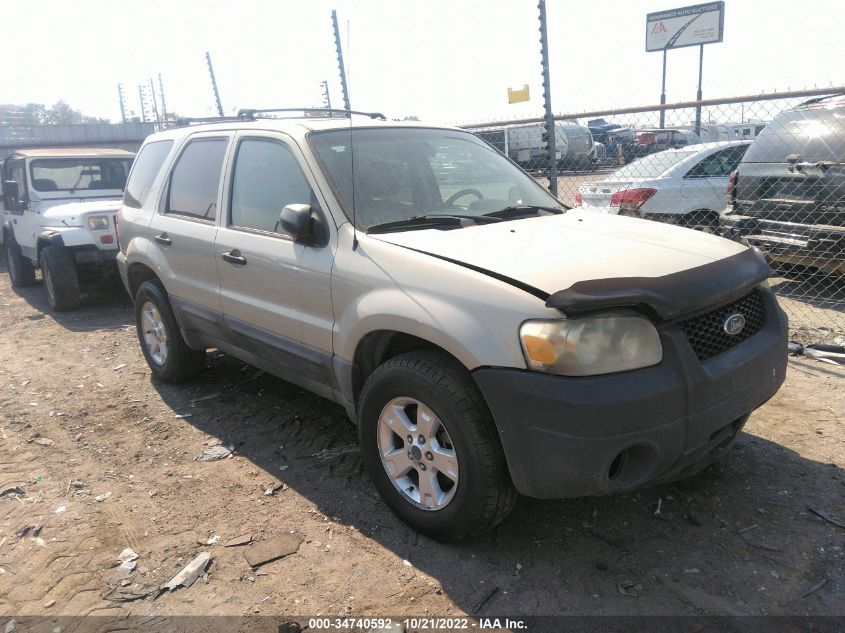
(163, 239)
(234, 257)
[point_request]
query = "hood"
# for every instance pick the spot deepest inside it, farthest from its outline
(548, 254)
(64, 213)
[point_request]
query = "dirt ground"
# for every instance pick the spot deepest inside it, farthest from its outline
(105, 458)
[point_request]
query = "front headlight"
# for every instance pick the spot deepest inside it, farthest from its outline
(98, 222)
(589, 346)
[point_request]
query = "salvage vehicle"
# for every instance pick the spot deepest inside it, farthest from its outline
(59, 209)
(681, 186)
(485, 341)
(524, 144)
(787, 196)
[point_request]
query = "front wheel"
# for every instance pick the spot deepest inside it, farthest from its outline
(21, 270)
(703, 220)
(431, 448)
(164, 349)
(61, 280)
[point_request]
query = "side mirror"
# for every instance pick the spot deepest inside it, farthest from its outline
(298, 221)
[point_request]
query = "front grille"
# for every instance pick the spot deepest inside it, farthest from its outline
(706, 332)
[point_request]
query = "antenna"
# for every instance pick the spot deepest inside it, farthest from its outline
(122, 102)
(214, 84)
(337, 44)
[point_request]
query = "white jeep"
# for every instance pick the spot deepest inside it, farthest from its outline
(59, 210)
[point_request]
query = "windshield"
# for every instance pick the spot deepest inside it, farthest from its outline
(402, 173)
(78, 174)
(650, 166)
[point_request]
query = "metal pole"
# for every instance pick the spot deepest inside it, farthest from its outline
(143, 105)
(161, 93)
(326, 94)
(155, 102)
(698, 96)
(122, 104)
(214, 85)
(663, 93)
(343, 85)
(551, 151)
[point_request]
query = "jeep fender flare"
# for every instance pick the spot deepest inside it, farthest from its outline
(49, 237)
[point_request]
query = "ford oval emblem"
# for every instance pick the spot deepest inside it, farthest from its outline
(734, 324)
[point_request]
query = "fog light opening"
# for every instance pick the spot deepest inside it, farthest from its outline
(632, 467)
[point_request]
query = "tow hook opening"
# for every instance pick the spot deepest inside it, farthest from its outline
(632, 466)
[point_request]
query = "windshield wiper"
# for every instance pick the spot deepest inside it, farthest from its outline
(523, 210)
(432, 221)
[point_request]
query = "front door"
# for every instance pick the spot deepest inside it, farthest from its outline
(275, 294)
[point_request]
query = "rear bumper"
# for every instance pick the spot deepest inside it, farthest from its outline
(816, 246)
(567, 437)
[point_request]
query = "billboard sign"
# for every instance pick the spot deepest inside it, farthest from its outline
(688, 26)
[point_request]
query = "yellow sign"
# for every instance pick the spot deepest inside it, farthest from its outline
(517, 96)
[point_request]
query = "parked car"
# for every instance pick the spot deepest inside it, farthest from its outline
(653, 140)
(59, 207)
(484, 341)
(788, 195)
(681, 186)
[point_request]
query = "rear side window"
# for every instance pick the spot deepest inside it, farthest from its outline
(144, 172)
(267, 177)
(195, 179)
(722, 163)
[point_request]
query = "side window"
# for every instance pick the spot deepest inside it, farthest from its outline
(722, 163)
(144, 171)
(266, 178)
(195, 179)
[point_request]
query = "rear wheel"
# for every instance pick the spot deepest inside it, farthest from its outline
(61, 280)
(431, 448)
(21, 270)
(164, 349)
(703, 220)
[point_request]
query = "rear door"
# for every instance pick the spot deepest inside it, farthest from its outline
(184, 229)
(705, 183)
(275, 294)
(794, 170)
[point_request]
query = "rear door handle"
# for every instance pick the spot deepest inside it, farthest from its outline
(234, 257)
(163, 239)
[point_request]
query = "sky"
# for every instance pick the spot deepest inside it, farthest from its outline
(444, 61)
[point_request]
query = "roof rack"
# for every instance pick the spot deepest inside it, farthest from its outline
(249, 114)
(183, 121)
(820, 99)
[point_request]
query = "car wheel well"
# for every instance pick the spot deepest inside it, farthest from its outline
(138, 274)
(378, 347)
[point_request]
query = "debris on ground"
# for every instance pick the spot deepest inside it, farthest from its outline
(269, 492)
(487, 597)
(128, 560)
(827, 517)
(213, 540)
(243, 539)
(629, 589)
(42, 441)
(102, 497)
(821, 583)
(330, 453)
(33, 529)
(119, 367)
(204, 398)
(266, 551)
(831, 354)
(189, 573)
(14, 490)
(215, 453)
(183, 416)
(59, 510)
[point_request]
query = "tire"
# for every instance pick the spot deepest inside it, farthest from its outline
(703, 220)
(481, 494)
(21, 270)
(61, 281)
(169, 358)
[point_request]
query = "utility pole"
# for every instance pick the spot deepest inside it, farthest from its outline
(155, 102)
(549, 136)
(214, 84)
(143, 104)
(343, 85)
(327, 101)
(161, 94)
(122, 102)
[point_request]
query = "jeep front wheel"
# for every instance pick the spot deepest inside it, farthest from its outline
(431, 448)
(61, 280)
(21, 270)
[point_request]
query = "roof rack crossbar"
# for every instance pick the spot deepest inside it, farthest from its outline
(248, 114)
(182, 121)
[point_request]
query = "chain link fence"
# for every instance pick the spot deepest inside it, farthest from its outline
(765, 170)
